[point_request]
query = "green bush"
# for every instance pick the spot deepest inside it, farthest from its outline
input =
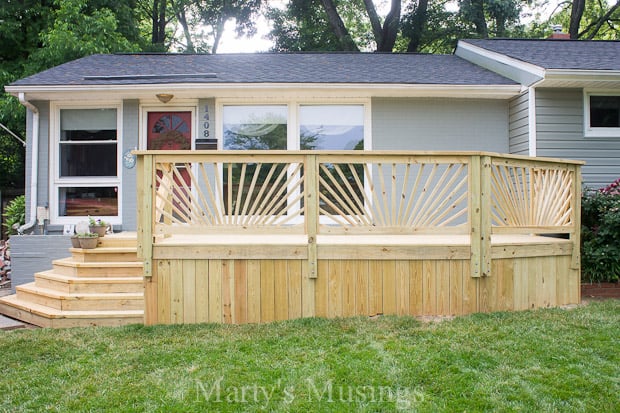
(600, 234)
(15, 213)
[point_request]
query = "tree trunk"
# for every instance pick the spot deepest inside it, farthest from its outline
(477, 17)
(385, 36)
(594, 27)
(179, 11)
(576, 13)
(335, 22)
(419, 23)
(218, 32)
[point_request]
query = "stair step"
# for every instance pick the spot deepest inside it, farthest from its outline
(90, 285)
(119, 240)
(79, 302)
(70, 267)
(43, 316)
(104, 254)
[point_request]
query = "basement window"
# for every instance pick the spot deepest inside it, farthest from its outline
(602, 115)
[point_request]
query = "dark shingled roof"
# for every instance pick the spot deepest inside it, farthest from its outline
(558, 54)
(370, 68)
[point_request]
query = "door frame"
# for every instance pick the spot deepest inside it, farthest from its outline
(182, 107)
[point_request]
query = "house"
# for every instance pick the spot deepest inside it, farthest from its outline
(555, 98)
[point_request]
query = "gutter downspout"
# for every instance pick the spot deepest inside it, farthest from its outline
(34, 163)
(531, 112)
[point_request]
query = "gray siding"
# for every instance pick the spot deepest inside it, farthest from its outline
(559, 123)
(43, 164)
(131, 114)
(34, 253)
(440, 124)
(518, 129)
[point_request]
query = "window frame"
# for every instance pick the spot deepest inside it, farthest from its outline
(293, 106)
(57, 182)
(597, 132)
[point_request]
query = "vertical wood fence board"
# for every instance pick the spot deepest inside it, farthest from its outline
(456, 287)
(280, 272)
(429, 300)
(151, 302)
(241, 291)
(402, 287)
(294, 290)
(176, 292)
(267, 286)
(227, 290)
(163, 293)
(188, 268)
(202, 291)
(375, 287)
(470, 290)
(254, 291)
(308, 291)
(361, 298)
(322, 293)
(443, 287)
(532, 283)
(215, 291)
(348, 288)
(416, 288)
(389, 287)
(334, 288)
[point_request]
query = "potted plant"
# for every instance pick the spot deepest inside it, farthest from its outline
(97, 226)
(88, 240)
(75, 241)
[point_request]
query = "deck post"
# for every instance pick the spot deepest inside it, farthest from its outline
(311, 189)
(480, 215)
(145, 212)
(575, 234)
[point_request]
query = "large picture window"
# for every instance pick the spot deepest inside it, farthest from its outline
(255, 127)
(87, 154)
(335, 127)
(602, 114)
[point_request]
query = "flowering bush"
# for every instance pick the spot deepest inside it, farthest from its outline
(600, 234)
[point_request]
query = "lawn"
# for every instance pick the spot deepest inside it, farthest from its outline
(545, 360)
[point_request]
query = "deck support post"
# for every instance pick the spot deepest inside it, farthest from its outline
(311, 178)
(480, 215)
(145, 212)
(575, 234)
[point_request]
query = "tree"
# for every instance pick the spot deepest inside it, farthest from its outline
(589, 19)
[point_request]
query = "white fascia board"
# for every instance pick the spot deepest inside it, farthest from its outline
(555, 75)
(269, 90)
(503, 59)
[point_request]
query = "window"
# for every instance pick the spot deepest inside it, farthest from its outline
(88, 142)
(335, 127)
(255, 127)
(602, 115)
(86, 154)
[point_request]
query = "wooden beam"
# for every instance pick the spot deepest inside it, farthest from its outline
(311, 189)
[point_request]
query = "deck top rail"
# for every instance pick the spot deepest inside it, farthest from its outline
(356, 192)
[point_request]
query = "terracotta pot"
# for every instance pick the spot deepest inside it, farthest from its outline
(98, 229)
(88, 242)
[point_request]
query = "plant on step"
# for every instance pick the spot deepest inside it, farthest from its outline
(600, 234)
(87, 235)
(96, 222)
(15, 214)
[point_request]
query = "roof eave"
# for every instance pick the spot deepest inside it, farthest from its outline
(206, 90)
(581, 78)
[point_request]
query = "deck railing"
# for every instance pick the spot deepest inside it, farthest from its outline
(353, 192)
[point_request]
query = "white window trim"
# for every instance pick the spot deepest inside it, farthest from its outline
(57, 182)
(590, 132)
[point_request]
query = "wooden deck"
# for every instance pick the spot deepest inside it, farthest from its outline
(239, 237)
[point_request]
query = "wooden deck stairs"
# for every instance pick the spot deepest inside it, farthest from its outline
(99, 287)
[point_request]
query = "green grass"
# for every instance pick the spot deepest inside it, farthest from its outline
(546, 360)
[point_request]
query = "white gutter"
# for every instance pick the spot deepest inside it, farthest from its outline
(34, 163)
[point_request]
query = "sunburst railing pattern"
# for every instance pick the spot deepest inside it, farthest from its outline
(404, 195)
(532, 196)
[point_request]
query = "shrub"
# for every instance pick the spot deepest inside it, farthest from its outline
(15, 214)
(600, 234)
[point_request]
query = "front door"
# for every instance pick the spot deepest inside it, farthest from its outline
(172, 131)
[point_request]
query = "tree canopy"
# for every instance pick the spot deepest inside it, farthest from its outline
(40, 34)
